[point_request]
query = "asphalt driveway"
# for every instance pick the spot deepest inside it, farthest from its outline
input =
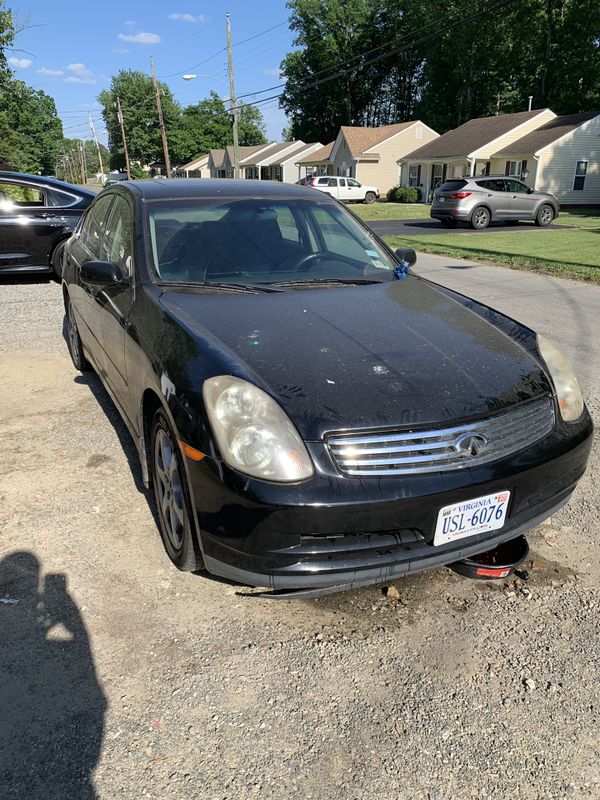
(421, 227)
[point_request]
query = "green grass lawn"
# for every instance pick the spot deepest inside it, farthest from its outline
(564, 253)
(567, 253)
(391, 211)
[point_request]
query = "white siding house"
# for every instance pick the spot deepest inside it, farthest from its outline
(562, 157)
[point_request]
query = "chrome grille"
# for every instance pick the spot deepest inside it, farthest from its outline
(458, 447)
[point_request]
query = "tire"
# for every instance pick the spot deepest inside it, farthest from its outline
(75, 346)
(55, 261)
(480, 218)
(370, 197)
(448, 223)
(172, 498)
(544, 216)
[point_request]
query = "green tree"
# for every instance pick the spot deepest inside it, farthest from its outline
(138, 102)
(70, 161)
(30, 130)
(207, 125)
(7, 34)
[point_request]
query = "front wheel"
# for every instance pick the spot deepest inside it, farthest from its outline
(172, 497)
(370, 197)
(544, 216)
(80, 362)
(480, 219)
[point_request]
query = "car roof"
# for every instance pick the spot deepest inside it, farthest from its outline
(190, 188)
(42, 180)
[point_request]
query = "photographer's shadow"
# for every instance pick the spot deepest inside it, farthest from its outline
(51, 704)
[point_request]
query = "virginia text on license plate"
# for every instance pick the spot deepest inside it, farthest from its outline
(470, 517)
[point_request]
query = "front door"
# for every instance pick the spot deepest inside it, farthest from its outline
(86, 246)
(521, 204)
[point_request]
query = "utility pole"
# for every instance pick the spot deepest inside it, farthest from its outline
(97, 145)
(234, 109)
(120, 118)
(81, 162)
(161, 122)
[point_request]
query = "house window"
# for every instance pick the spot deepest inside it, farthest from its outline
(419, 132)
(438, 175)
(413, 175)
(581, 168)
(514, 169)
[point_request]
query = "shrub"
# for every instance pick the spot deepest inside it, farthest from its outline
(404, 194)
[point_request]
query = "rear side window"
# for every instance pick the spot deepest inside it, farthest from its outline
(323, 182)
(93, 227)
(21, 195)
(493, 185)
(452, 186)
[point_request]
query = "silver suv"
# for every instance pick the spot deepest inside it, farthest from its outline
(490, 198)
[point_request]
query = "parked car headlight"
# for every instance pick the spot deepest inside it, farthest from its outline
(570, 400)
(253, 433)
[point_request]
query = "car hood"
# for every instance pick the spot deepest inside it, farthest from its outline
(394, 354)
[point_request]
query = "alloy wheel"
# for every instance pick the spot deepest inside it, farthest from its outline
(169, 491)
(546, 215)
(73, 333)
(481, 218)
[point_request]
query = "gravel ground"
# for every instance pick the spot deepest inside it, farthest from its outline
(123, 678)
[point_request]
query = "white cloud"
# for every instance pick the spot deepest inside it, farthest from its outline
(121, 50)
(274, 73)
(140, 38)
(189, 17)
(81, 74)
(19, 63)
(50, 73)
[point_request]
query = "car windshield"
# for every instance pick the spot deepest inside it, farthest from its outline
(261, 241)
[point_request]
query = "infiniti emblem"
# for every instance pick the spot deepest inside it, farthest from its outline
(470, 444)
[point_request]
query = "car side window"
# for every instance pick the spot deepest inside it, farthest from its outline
(342, 181)
(516, 187)
(332, 182)
(352, 182)
(20, 195)
(287, 224)
(117, 245)
(93, 226)
(494, 185)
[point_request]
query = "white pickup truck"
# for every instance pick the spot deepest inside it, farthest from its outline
(348, 190)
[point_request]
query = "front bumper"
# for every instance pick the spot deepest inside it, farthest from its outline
(339, 532)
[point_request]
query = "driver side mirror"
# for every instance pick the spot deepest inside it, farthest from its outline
(406, 254)
(101, 274)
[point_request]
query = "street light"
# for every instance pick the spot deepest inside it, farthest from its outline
(190, 77)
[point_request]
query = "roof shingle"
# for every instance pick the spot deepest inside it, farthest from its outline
(548, 133)
(361, 139)
(319, 156)
(475, 133)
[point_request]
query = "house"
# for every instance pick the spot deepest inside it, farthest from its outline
(371, 154)
(278, 161)
(196, 168)
(220, 162)
(468, 149)
(561, 157)
(317, 162)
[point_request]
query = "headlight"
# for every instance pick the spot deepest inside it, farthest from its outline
(567, 389)
(253, 433)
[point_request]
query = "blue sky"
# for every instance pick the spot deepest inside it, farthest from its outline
(74, 47)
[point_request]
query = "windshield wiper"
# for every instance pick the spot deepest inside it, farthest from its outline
(239, 287)
(331, 281)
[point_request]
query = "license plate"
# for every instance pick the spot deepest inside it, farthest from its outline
(442, 199)
(470, 517)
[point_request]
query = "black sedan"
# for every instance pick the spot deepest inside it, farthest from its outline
(309, 415)
(37, 215)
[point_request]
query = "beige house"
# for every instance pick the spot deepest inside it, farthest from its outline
(317, 162)
(278, 161)
(371, 154)
(221, 161)
(196, 168)
(468, 149)
(561, 157)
